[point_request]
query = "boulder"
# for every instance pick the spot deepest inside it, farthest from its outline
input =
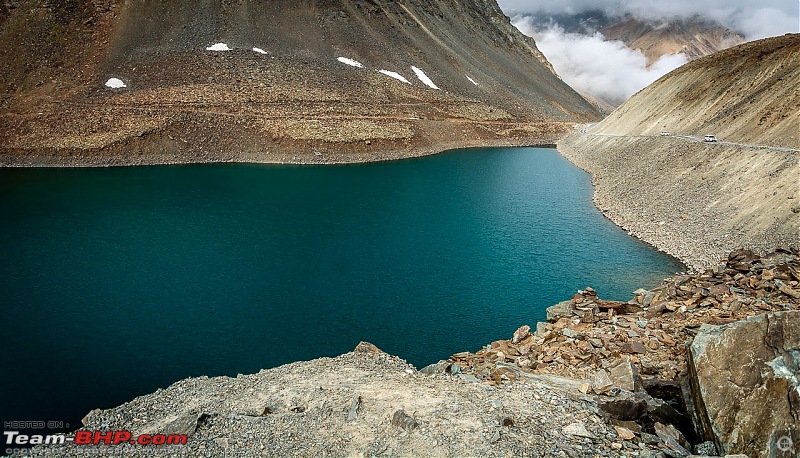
(578, 429)
(667, 432)
(660, 411)
(745, 382)
(624, 433)
(442, 367)
(601, 382)
(560, 310)
(401, 419)
(632, 347)
(520, 334)
(623, 374)
(367, 348)
(543, 328)
(352, 414)
(185, 423)
(625, 407)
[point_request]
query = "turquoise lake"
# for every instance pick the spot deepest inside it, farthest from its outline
(117, 282)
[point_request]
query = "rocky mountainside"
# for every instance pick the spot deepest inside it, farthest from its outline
(301, 81)
(700, 200)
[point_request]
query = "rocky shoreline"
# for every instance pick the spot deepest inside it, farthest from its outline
(647, 378)
(362, 151)
(647, 345)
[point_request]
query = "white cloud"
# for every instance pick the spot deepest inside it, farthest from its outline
(607, 70)
(759, 19)
(764, 22)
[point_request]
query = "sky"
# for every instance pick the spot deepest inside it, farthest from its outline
(612, 71)
(754, 18)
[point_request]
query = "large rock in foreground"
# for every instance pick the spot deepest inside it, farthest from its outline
(745, 380)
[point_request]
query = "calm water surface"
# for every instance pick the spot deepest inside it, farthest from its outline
(115, 282)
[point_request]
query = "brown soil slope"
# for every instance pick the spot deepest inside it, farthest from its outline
(293, 102)
(699, 200)
(746, 94)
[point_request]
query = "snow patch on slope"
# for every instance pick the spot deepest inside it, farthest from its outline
(350, 62)
(394, 75)
(424, 78)
(218, 47)
(115, 83)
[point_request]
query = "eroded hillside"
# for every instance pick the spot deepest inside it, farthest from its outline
(694, 199)
(454, 74)
(746, 94)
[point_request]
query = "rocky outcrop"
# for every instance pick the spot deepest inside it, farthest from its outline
(631, 358)
(301, 81)
(364, 403)
(586, 333)
(746, 382)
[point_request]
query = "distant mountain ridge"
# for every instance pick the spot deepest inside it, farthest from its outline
(280, 93)
(695, 37)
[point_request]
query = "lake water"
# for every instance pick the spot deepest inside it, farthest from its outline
(115, 282)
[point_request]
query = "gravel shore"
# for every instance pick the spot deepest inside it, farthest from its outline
(342, 153)
(695, 201)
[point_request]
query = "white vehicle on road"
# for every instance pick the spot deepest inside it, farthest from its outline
(710, 139)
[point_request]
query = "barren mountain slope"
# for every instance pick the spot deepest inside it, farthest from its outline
(746, 94)
(698, 200)
(288, 100)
